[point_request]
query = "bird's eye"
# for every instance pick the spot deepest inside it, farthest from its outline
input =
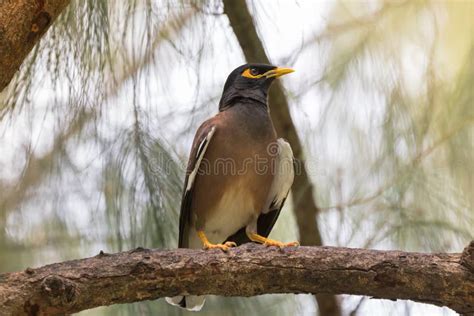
(251, 73)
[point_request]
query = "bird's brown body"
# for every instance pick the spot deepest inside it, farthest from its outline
(239, 174)
(231, 188)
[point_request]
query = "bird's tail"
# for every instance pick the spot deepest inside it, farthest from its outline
(190, 302)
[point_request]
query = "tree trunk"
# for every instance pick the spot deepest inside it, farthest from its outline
(22, 24)
(142, 274)
(304, 207)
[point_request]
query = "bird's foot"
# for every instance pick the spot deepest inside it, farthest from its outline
(271, 242)
(208, 245)
(224, 247)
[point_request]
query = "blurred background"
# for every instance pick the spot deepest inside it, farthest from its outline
(96, 128)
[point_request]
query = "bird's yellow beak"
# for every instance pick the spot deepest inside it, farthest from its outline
(278, 72)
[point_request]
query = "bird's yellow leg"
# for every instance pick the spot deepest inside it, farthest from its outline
(270, 242)
(208, 245)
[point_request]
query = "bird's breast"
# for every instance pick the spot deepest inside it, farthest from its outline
(234, 210)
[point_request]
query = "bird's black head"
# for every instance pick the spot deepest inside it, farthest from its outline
(250, 81)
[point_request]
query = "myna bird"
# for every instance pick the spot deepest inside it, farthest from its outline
(239, 174)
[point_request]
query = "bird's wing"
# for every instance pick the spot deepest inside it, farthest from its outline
(201, 142)
(282, 181)
(281, 185)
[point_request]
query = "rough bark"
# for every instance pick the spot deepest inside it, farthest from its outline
(142, 274)
(304, 207)
(22, 24)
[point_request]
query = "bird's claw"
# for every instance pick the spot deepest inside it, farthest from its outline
(269, 243)
(230, 244)
(224, 247)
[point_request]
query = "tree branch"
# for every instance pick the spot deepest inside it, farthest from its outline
(22, 24)
(142, 274)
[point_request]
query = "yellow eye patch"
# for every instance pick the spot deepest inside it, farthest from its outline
(276, 72)
(247, 74)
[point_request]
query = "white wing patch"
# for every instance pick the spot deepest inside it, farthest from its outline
(200, 155)
(283, 178)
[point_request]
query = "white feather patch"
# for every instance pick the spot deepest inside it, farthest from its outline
(174, 300)
(284, 175)
(204, 143)
(192, 303)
